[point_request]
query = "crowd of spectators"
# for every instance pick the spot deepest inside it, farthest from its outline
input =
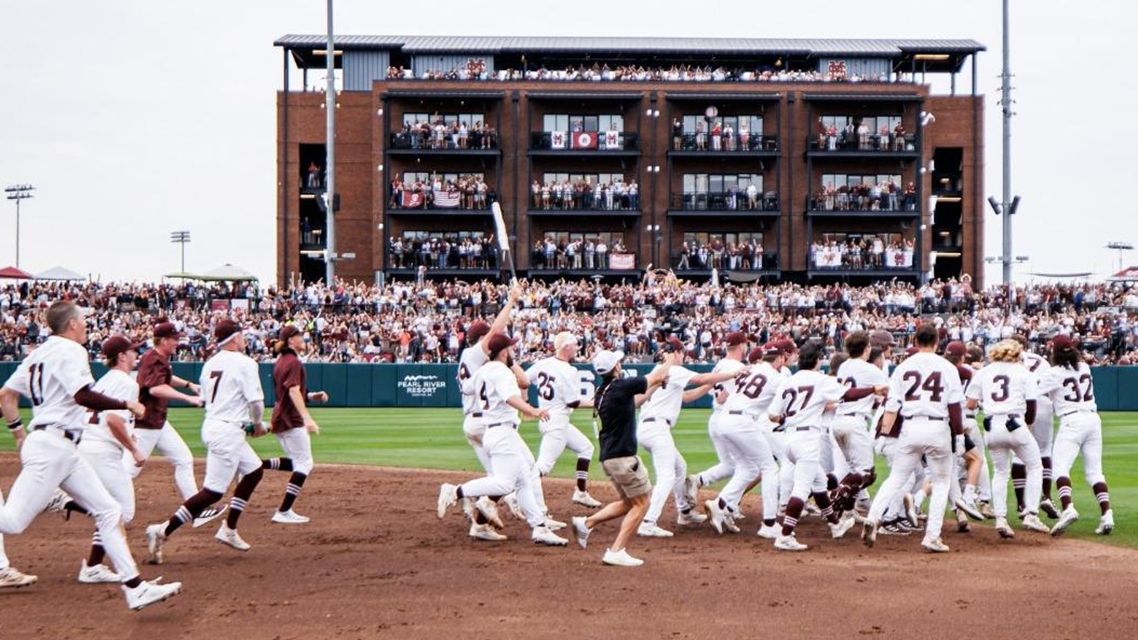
(440, 135)
(442, 250)
(716, 254)
(858, 136)
(426, 322)
(884, 196)
(575, 253)
(886, 251)
(581, 193)
(436, 192)
(477, 70)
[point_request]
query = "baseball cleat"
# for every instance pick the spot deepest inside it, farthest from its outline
(962, 524)
(485, 532)
(1066, 519)
(729, 523)
(149, 593)
(581, 532)
(155, 538)
(969, 508)
(553, 525)
(511, 501)
(935, 546)
(447, 498)
(869, 532)
(542, 535)
(98, 574)
(651, 530)
(899, 527)
(228, 536)
(691, 489)
(1004, 529)
(769, 531)
(844, 524)
(986, 510)
(620, 559)
(585, 500)
(468, 508)
(289, 517)
(911, 513)
(690, 518)
(12, 578)
(1105, 523)
(58, 502)
(789, 543)
(811, 509)
(1048, 508)
(1031, 522)
(489, 510)
(716, 515)
(209, 515)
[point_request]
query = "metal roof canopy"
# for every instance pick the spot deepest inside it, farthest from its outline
(703, 97)
(861, 97)
(584, 95)
(461, 95)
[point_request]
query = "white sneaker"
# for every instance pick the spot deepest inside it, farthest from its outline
(12, 578)
(228, 536)
(289, 517)
(934, 546)
(729, 523)
(447, 498)
(149, 593)
(911, 513)
(489, 510)
(691, 489)
(1004, 529)
(716, 515)
(485, 532)
(553, 525)
(209, 515)
(769, 531)
(844, 524)
(1031, 522)
(585, 500)
(155, 538)
(789, 543)
(1105, 523)
(98, 574)
(620, 559)
(58, 502)
(1066, 519)
(651, 530)
(581, 532)
(542, 535)
(969, 508)
(690, 518)
(511, 501)
(1048, 507)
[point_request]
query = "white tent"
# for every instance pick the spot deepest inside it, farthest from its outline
(227, 273)
(59, 273)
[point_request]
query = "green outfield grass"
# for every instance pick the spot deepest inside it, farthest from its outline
(432, 438)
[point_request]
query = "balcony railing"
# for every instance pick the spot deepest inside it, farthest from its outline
(867, 143)
(856, 200)
(430, 141)
(415, 257)
(723, 260)
(839, 259)
(592, 200)
(312, 239)
(704, 143)
(441, 201)
(560, 260)
(584, 141)
(725, 201)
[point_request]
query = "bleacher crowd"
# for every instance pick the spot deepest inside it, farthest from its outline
(477, 70)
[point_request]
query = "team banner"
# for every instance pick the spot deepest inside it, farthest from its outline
(556, 139)
(898, 259)
(612, 139)
(412, 199)
(447, 199)
(622, 261)
(584, 140)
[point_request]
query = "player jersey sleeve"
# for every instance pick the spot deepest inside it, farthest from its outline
(533, 372)
(568, 384)
(777, 402)
(1050, 381)
(954, 389)
(505, 384)
(251, 382)
(18, 381)
(831, 389)
(1030, 387)
(896, 391)
(150, 373)
(291, 375)
(75, 372)
(975, 387)
(681, 376)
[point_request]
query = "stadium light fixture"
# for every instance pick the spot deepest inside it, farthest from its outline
(182, 238)
(996, 208)
(19, 192)
(1120, 247)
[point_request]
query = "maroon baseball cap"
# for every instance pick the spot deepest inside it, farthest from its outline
(477, 329)
(673, 345)
(1062, 343)
(956, 349)
(224, 330)
(115, 345)
(785, 345)
(497, 342)
(911, 350)
(166, 330)
(736, 338)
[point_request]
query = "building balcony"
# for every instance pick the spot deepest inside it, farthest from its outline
(866, 146)
(584, 143)
(847, 205)
(406, 144)
(312, 240)
(892, 262)
(692, 265)
(584, 265)
(725, 203)
(450, 204)
(701, 145)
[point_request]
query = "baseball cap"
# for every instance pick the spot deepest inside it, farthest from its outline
(562, 339)
(605, 361)
(497, 342)
(881, 338)
(736, 338)
(785, 345)
(225, 330)
(115, 345)
(477, 329)
(956, 349)
(166, 330)
(1062, 343)
(287, 332)
(674, 345)
(911, 350)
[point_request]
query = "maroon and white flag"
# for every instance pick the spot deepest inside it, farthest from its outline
(585, 140)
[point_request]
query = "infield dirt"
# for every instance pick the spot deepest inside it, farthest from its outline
(376, 562)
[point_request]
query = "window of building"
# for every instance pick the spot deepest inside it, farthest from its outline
(469, 119)
(751, 123)
(838, 180)
(725, 239)
(575, 178)
(872, 123)
(428, 177)
(579, 122)
(697, 183)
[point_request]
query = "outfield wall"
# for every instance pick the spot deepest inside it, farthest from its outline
(434, 385)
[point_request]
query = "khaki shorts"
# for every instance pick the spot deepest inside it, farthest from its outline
(628, 475)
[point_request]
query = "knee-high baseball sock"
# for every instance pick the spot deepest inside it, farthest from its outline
(582, 474)
(241, 496)
(71, 507)
(822, 499)
(292, 490)
(191, 509)
(831, 482)
(1063, 484)
(1019, 481)
(793, 512)
(1046, 478)
(97, 551)
(1102, 495)
(277, 464)
(869, 478)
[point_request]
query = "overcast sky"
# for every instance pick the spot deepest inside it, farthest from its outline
(134, 119)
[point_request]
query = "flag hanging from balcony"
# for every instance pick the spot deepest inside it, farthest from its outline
(612, 139)
(622, 261)
(584, 140)
(412, 199)
(447, 199)
(556, 139)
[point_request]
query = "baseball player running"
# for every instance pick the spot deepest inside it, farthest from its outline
(1007, 393)
(558, 385)
(798, 406)
(499, 401)
(233, 400)
(925, 391)
(654, 432)
(156, 382)
(292, 424)
(1071, 389)
(850, 427)
(56, 377)
(1043, 430)
(968, 460)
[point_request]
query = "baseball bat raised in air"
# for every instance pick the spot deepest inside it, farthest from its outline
(503, 239)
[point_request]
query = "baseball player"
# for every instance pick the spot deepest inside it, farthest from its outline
(969, 458)
(558, 385)
(798, 406)
(56, 377)
(292, 424)
(499, 399)
(234, 407)
(1007, 393)
(654, 432)
(156, 383)
(925, 391)
(108, 435)
(974, 360)
(850, 427)
(1071, 389)
(1043, 430)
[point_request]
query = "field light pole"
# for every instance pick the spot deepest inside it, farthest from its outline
(1120, 247)
(182, 238)
(330, 161)
(19, 192)
(1006, 102)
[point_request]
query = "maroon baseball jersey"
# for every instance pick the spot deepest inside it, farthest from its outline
(288, 372)
(153, 371)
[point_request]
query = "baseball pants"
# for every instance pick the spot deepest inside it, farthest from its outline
(1042, 430)
(297, 445)
(671, 469)
(48, 462)
(724, 466)
(743, 441)
(804, 452)
(1001, 445)
(776, 442)
(171, 446)
(851, 434)
(227, 454)
(984, 486)
(932, 440)
(107, 461)
(473, 430)
(556, 436)
(513, 472)
(4, 564)
(1079, 433)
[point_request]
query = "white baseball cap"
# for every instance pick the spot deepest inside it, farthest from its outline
(605, 361)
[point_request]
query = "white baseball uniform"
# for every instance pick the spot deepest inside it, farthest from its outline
(100, 447)
(469, 362)
(1080, 428)
(801, 400)
(851, 423)
(558, 386)
(742, 429)
(654, 432)
(230, 382)
(1043, 429)
(725, 465)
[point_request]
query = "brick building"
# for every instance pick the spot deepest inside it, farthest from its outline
(803, 159)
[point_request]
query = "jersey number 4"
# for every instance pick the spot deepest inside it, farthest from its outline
(485, 399)
(919, 383)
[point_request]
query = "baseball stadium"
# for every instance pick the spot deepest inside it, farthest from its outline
(639, 335)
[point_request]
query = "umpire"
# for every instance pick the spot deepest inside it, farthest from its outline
(615, 404)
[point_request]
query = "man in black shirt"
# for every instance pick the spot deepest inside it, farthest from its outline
(615, 404)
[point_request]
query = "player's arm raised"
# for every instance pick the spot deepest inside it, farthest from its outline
(503, 317)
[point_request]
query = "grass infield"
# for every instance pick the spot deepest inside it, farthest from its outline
(432, 438)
